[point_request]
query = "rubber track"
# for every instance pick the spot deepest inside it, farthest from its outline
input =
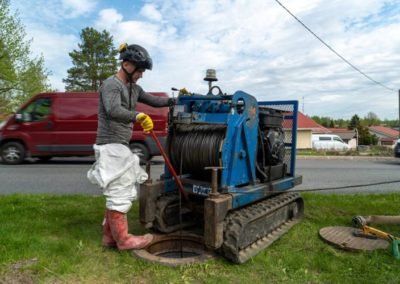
(235, 224)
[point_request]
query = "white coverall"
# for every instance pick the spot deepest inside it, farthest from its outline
(117, 171)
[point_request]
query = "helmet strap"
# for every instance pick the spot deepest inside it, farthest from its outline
(129, 75)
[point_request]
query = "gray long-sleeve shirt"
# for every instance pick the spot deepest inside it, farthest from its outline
(115, 119)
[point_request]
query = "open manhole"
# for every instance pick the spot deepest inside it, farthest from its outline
(175, 249)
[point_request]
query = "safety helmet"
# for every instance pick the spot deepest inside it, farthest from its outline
(135, 54)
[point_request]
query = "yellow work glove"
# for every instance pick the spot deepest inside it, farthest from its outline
(183, 92)
(145, 121)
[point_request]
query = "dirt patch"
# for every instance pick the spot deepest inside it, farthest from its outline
(17, 273)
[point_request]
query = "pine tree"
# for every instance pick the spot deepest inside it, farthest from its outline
(93, 62)
(354, 122)
(364, 136)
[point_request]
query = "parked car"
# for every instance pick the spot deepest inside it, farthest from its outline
(329, 142)
(397, 149)
(65, 124)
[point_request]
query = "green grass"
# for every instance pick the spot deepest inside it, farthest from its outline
(375, 151)
(47, 239)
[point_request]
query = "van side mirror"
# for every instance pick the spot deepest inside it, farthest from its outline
(18, 117)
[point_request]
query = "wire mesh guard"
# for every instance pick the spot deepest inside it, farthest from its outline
(289, 113)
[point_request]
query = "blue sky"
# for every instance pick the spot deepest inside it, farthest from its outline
(255, 46)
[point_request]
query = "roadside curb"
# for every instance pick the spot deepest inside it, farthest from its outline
(376, 158)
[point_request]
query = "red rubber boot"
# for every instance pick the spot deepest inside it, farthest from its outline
(108, 240)
(119, 229)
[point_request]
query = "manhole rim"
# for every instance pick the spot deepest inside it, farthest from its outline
(204, 255)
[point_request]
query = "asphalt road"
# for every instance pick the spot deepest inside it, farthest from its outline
(322, 174)
(68, 176)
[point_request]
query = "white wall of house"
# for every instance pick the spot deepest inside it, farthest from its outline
(304, 139)
(352, 143)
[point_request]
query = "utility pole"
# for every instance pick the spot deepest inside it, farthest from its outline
(302, 109)
(356, 131)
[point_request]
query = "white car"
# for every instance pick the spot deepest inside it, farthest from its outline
(329, 142)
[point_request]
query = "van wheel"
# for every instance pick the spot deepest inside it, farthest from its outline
(12, 153)
(141, 151)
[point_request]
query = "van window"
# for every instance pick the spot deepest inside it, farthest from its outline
(37, 110)
(338, 139)
(76, 108)
(324, 138)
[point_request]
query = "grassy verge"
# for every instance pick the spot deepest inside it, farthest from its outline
(375, 151)
(49, 239)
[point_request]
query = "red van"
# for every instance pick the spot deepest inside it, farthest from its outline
(65, 124)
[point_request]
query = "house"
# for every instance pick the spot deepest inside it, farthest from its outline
(387, 136)
(305, 128)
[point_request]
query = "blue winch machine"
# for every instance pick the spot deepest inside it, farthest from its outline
(236, 160)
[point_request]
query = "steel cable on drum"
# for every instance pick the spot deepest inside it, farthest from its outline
(199, 147)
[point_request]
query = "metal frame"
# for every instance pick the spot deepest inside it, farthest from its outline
(239, 135)
(294, 118)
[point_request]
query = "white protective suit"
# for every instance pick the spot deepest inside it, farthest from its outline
(117, 171)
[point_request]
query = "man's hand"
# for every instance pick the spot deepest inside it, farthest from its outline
(145, 121)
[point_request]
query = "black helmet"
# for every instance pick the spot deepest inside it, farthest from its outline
(137, 55)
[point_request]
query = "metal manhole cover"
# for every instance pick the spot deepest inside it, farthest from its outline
(343, 238)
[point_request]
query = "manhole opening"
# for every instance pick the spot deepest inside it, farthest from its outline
(176, 247)
(177, 254)
(175, 250)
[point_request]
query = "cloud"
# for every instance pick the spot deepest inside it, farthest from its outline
(260, 48)
(255, 46)
(55, 47)
(108, 18)
(330, 98)
(150, 11)
(53, 12)
(75, 8)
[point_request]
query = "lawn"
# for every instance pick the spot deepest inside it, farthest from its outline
(375, 151)
(57, 239)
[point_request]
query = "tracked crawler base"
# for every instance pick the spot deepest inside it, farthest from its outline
(249, 230)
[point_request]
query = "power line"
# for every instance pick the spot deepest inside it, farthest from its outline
(334, 51)
(346, 186)
(327, 188)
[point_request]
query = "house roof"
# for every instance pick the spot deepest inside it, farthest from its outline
(384, 131)
(306, 123)
(340, 130)
(343, 133)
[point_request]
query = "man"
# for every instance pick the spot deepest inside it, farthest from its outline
(117, 169)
